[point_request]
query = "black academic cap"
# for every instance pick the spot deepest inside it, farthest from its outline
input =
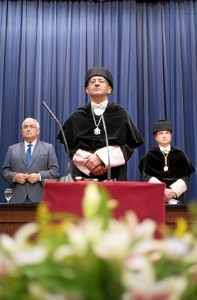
(99, 71)
(162, 125)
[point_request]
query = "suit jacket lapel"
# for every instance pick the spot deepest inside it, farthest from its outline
(22, 152)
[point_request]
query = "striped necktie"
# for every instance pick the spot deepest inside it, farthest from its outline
(28, 154)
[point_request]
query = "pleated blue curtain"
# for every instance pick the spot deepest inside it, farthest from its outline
(150, 47)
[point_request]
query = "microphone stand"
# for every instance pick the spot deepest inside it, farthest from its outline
(108, 156)
(68, 177)
(99, 112)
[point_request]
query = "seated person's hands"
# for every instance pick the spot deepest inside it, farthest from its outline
(169, 194)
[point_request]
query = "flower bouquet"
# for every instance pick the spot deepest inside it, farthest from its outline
(97, 257)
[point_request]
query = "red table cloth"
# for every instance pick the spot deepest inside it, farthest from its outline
(145, 199)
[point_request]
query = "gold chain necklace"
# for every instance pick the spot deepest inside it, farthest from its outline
(165, 161)
(97, 131)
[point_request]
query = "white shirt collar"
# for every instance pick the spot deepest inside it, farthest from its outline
(33, 143)
(167, 149)
(101, 105)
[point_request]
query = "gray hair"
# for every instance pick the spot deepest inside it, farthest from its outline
(31, 119)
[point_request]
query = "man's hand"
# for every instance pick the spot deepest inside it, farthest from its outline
(20, 178)
(94, 164)
(169, 194)
(33, 177)
(99, 170)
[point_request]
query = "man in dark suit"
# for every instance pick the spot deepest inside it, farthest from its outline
(28, 164)
(166, 163)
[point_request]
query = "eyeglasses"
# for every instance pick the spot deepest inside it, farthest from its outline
(100, 80)
(30, 127)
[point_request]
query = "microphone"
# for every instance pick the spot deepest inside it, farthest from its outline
(99, 112)
(68, 177)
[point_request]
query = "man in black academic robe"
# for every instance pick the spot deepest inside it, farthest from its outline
(167, 164)
(86, 138)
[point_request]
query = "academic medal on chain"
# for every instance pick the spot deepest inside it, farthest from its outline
(165, 168)
(97, 131)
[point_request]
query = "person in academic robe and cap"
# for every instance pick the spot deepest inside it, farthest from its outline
(85, 134)
(166, 163)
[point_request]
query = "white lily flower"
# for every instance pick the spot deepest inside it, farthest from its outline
(114, 242)
(131, 220)
(170, 288)
(146, 229)
(7, 243)
(25, 232)
(148, 247)
(84, 234)
(176, 248)
(138, 269)
(91, 200)
(63, 251)
(122, 257)
(30, 256)
(175, 286)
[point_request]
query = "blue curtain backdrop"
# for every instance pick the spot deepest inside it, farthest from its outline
(150, 47)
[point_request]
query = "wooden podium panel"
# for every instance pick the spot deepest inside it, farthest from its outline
(145, 199)
(13, 216)
(173, 212)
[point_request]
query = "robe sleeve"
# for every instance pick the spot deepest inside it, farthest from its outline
(78, 160)
(115, 156)
(179, 187)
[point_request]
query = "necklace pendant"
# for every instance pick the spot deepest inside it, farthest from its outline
(165, 168)
(97, 131)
